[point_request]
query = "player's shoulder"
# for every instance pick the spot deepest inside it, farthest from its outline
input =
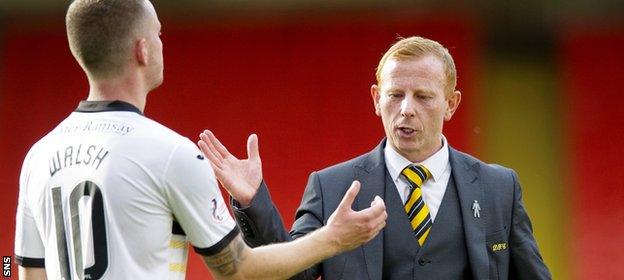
(160, 135)
(34, 150)
(43, 143)
(157, 132)
(159, 139)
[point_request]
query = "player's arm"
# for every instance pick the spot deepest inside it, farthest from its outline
(346, 229)
(32, 273)
(29, 249)
(197, 204)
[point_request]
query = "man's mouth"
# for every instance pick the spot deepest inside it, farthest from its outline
(406, 131)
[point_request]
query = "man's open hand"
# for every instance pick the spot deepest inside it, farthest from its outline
(240, 177)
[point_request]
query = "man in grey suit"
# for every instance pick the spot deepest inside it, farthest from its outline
(450, 216)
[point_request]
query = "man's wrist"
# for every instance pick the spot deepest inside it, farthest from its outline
(240, 204)
(235, 204)
(244, 203)
(327, 239)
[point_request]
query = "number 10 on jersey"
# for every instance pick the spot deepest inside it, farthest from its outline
(86, 189)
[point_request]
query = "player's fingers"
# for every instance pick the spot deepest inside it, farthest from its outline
(215, 163)
(217, 144)
(204, 147)
(349, 197)
(252, 147)
(212, 158)
(211, 147)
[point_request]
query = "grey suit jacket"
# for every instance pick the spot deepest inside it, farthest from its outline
(500, 242)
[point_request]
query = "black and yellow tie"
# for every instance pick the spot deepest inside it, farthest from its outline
(415, 207)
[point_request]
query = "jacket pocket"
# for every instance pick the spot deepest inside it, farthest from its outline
(498, 253)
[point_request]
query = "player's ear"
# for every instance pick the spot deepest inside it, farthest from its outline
(141, 52)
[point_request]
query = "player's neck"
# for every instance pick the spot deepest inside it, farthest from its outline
(127, 89)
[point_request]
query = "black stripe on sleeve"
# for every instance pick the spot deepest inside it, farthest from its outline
(214, 249)
(29, 262)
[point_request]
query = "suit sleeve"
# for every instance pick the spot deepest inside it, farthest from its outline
(525, 259)
(261, 223)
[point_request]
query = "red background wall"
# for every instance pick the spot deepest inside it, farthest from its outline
(302, 86)
(592, 60)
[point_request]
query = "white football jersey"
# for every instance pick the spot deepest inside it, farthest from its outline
(111, 194)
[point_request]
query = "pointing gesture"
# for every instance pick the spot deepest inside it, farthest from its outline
(240, 177)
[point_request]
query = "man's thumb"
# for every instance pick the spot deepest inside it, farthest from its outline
(349, 197)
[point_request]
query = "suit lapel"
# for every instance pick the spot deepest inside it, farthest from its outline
(469, 189)
(371, 174)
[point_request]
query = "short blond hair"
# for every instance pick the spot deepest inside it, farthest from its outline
(417, 47)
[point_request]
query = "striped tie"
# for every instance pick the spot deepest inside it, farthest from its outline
(415, 206)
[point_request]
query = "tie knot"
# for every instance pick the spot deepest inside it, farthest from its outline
(416, 174)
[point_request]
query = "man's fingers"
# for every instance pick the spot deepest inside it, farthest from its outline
(349, 197)
(377, 209)
(212, 158)
(212, 139)
(379, 227)
(252, 147)
(376, 200)
(379, 215)
(210, 148)
(376, 215)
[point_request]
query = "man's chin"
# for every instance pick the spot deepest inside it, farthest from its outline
(406, 147)
(411, 144)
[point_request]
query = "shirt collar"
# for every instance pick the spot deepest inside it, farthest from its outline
(436, 163)
(86, 106)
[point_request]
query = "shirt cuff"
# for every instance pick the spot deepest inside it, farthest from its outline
(29, 262)
(219, 246)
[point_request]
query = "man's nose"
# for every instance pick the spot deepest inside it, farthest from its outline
(408, 107)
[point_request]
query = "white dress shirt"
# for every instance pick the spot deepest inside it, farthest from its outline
(434, 188)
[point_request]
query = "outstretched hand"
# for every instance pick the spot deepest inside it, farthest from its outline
(353, 228)
(240, 177)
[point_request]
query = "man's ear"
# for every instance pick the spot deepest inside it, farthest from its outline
(141, 52)
(375, 94)
(452, 104)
